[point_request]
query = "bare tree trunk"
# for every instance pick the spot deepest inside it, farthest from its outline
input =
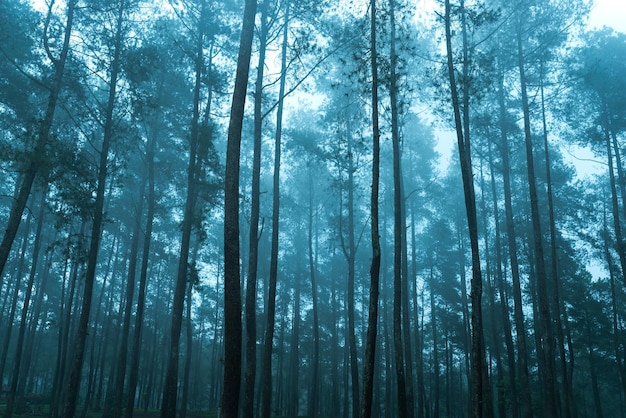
(504, 301)
(232, 286)
(266, 395)
(568, 401)
(10, 321)
(251, 283)
(143, 279)
(550, 393)
(96, 230)
(520, 329)
(372, 319)
(463, 142)
(170, 387)
(314, 394)
(397, 215)
(24, 316)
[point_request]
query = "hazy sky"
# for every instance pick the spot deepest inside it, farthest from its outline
(610, 13)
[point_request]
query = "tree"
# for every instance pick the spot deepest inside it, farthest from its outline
(232, 287)
(463, 145)
(43, 132)
(372, 319)
(98, 215)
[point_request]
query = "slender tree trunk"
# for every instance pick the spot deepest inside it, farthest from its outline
(350, 253)
(550, 393)
(232, 286)
(266, 400)
(463, 142)
(43, 135)
(11, 401)
(397, 215)
(170, 386)
(315, 366)
(504, 301)
(372, 319)
(96, 230)
(520, 329)
(188, 354)
(433, 323)
(615, 313)
(130, 291)
(251, 283)
(419, 346)
(143, 279)
(10, 321)
(568, 401)
(292, 392)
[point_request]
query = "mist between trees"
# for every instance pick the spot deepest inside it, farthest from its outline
(238, 208)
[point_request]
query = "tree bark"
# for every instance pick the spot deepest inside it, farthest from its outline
(24, 315)
(170, 386)
(372, 319)
(96, 230)
(397, 225)
(547, 339)
(143, 280)
(463, 144)
(314, 394)
(266, 373)
(232, 286)
(251, 283)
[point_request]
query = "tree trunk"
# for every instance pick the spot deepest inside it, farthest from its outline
(372, 319)
(463, 143)
(568, 401)
(315, 366)
(11, 401)
(232, 286)
(504, 300)
(266, 383)
(520, 329)
(170, 386)
(550, 393)
(43, 135)
(251, 283)
(96, 230)
(433, 323)
(10, 321)
(397, 226)
(143, 279)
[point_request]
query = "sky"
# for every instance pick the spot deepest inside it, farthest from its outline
(610, 13)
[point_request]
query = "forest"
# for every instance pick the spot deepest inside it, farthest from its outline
(311, 208)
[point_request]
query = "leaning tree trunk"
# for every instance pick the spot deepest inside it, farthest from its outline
(232, 286)
(43, 135)
(372, 319)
